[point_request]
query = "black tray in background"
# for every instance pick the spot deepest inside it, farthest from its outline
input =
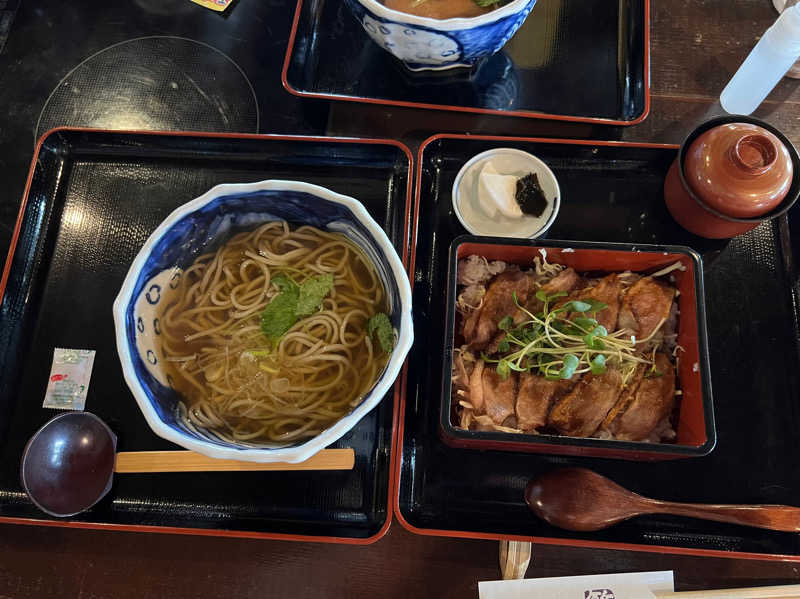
(580, 60)
(613, 192)
(93, 200)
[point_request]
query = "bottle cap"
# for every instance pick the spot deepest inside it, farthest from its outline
(786, 31)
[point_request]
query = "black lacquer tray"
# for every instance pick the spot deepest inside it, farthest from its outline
(612, 192)
(93, 198)
(576, 60)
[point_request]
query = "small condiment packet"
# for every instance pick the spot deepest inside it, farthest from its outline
(69, 379)
(635, 585)
(217, 5)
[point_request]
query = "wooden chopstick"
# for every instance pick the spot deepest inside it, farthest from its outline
(189, 461)
(785, 591)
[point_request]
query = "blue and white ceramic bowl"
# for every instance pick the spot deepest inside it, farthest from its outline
(422, 43)
(204, 224)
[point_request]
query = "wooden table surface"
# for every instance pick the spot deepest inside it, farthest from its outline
(53, 562)
(696, 46)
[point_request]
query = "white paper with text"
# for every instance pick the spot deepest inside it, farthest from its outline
(635, 585)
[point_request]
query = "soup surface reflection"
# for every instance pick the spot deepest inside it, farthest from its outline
(439, 9)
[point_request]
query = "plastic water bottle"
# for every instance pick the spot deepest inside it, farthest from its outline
(767, 63)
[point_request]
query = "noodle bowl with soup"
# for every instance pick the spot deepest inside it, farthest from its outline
(262, 321)
(234, 353)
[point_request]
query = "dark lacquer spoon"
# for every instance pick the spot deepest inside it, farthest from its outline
(68, 465)
(579, 499)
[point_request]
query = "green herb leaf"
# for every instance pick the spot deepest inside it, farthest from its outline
(587, 324)
(381, 325)
(503, 369)
(563, 327)
(516, 301)
(653, 373)
(283, 282)
(292, 302)
(593, 342)
(596, 306)
(487, 3)
(281, 313)
(578, 306)
(529, 335)
(600, 331)
(312, 292)
(503, 346)
(570, 364)
(543, 297)
(526, 334)
(598, 364)
(505, 323)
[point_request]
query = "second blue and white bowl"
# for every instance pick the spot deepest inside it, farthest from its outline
(204, 224)
(422, 43)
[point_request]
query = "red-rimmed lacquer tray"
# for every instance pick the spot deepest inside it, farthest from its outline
(612, 192)
(572, 60)
(92, 199)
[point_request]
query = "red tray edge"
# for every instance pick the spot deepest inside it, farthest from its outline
(513, 113)
(401, 423)
(398, 386)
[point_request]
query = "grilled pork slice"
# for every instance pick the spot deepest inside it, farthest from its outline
(647, 401)
(499, 394)
(481, 325)
(536, 396)
(565, 281)
(490, 394)
(626, 397)
(646, 304)
(581, 411)
(607, 290)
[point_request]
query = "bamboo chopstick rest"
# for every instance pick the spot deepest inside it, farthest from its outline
(515, 557)
(189, 461)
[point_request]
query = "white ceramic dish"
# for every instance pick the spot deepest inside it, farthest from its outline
(209, 220)
(507, 161)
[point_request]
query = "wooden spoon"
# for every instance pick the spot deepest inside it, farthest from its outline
(582, 500)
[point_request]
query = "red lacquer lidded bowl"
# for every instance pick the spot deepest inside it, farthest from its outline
(737, 172)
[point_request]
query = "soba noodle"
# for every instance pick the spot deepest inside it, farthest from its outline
(238, 381)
